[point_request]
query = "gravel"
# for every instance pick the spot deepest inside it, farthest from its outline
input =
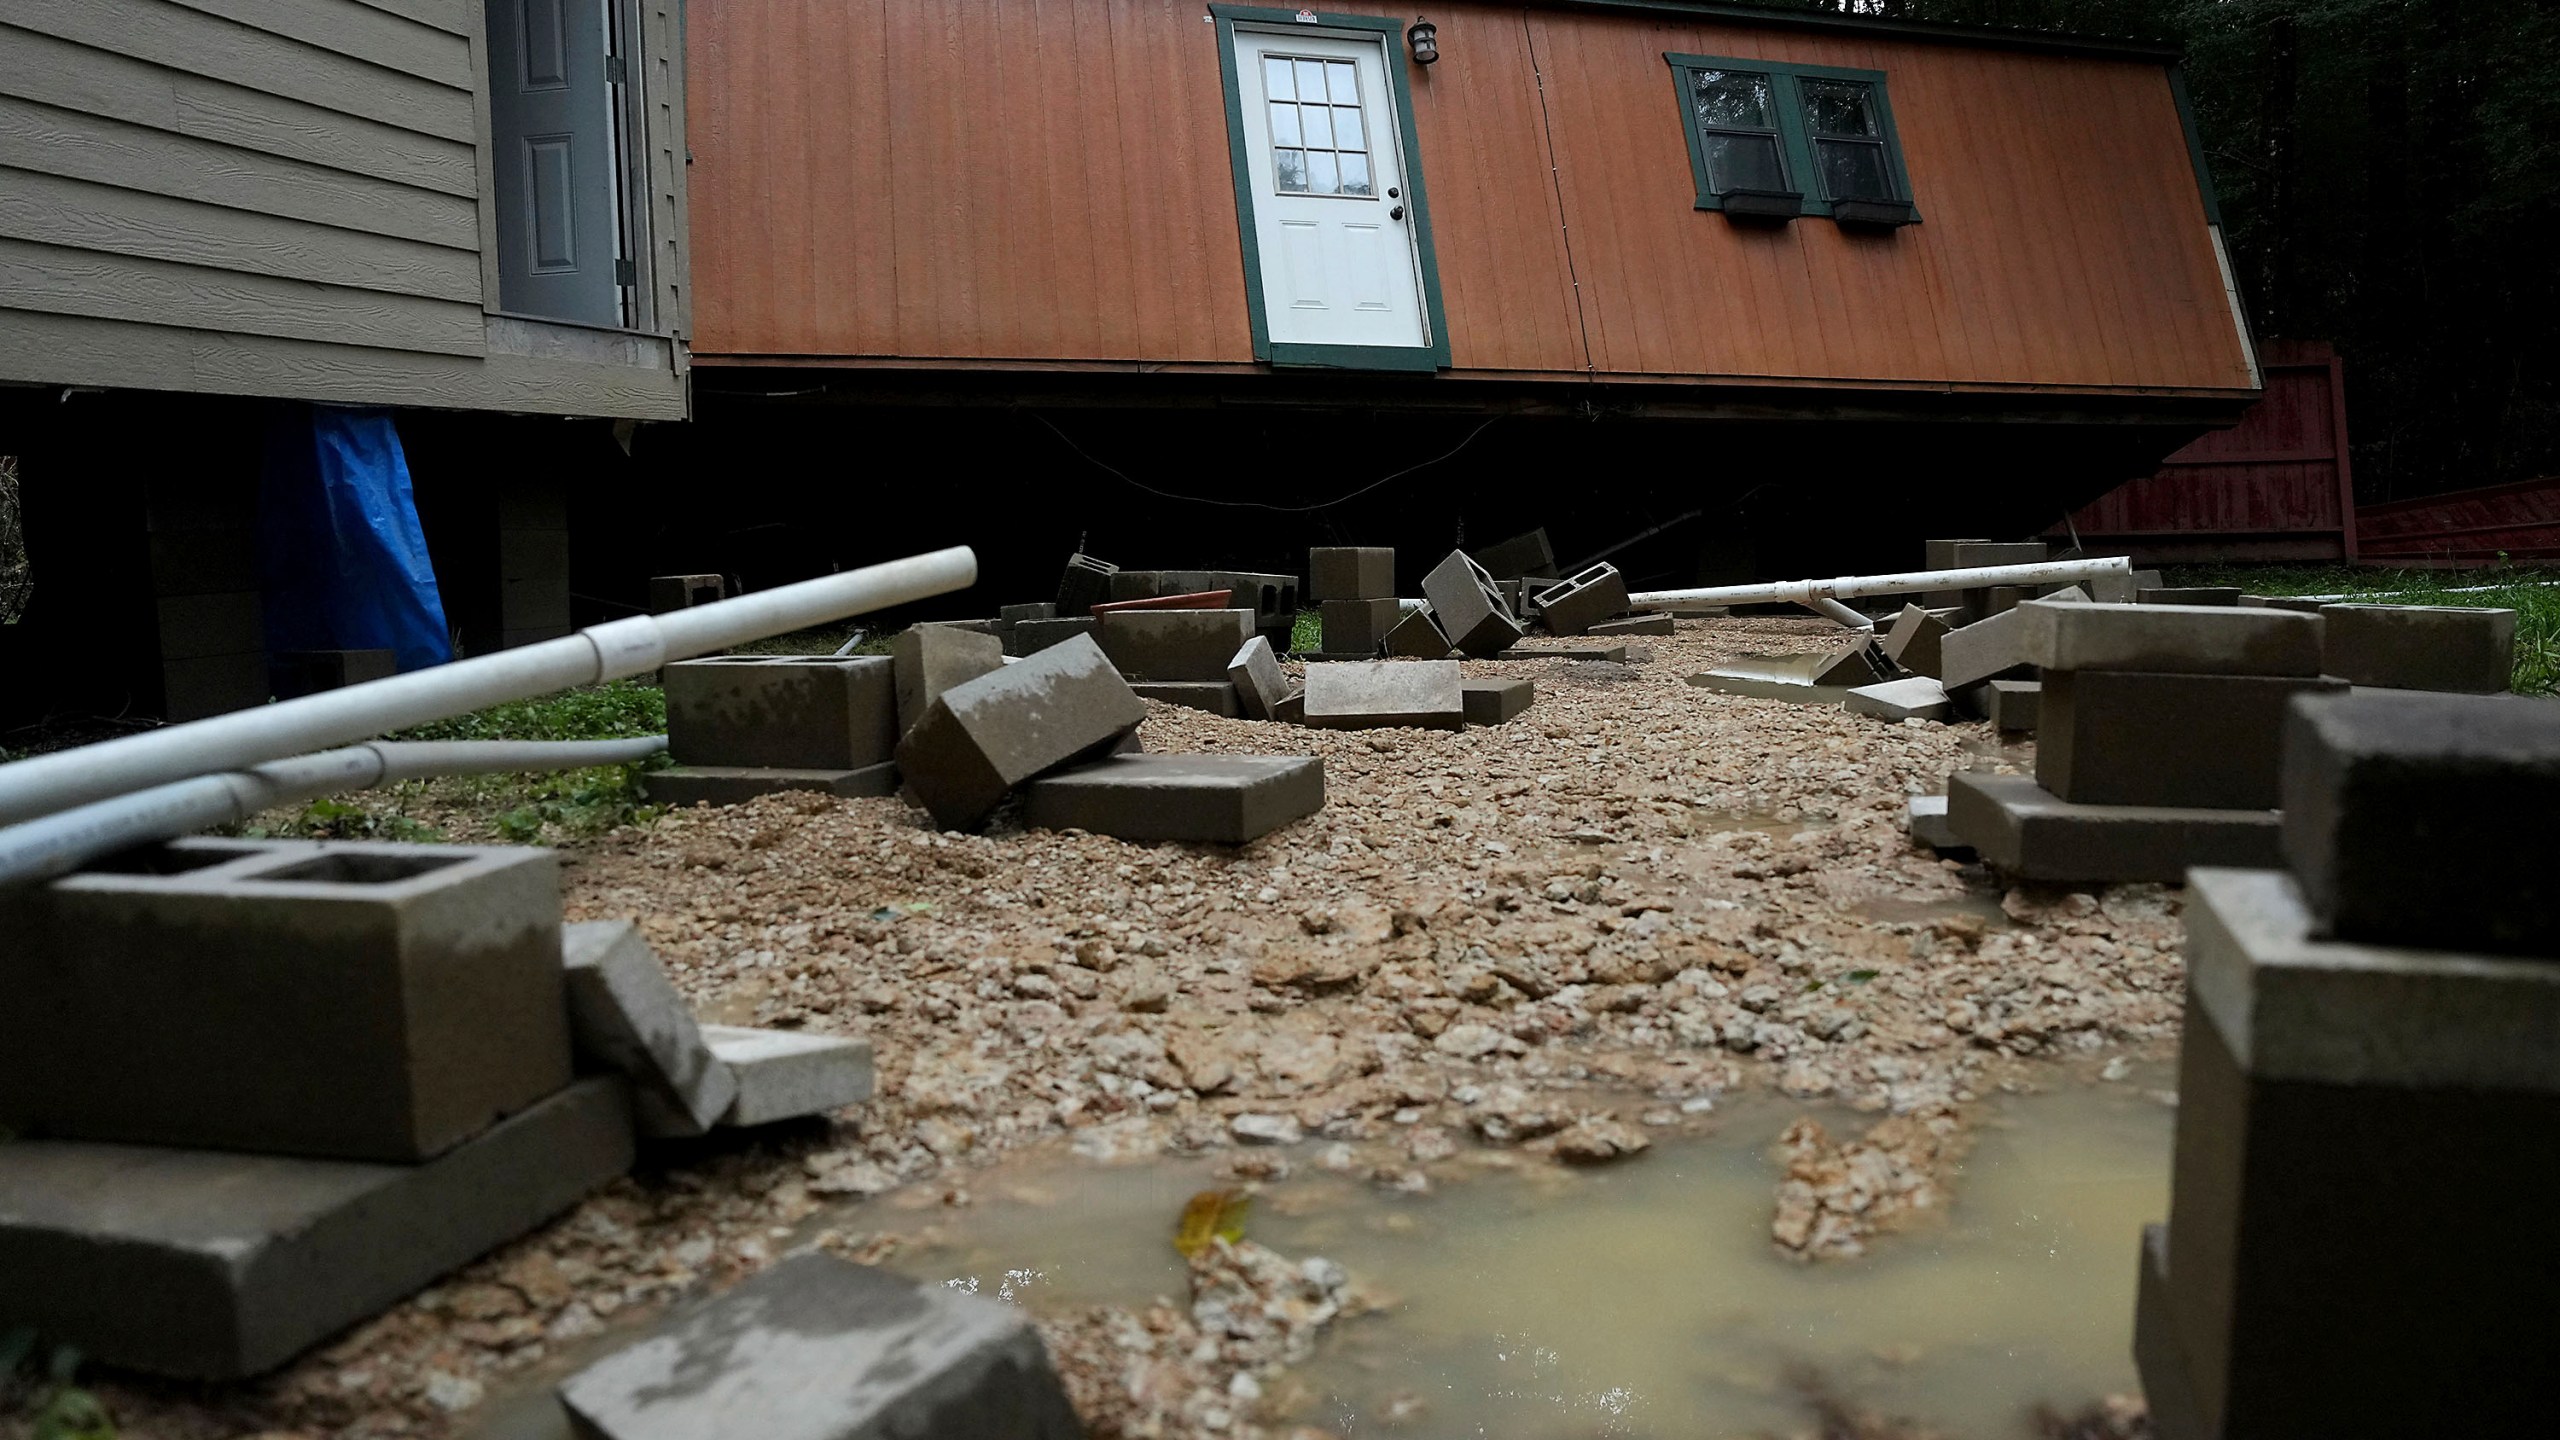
(1636, 897)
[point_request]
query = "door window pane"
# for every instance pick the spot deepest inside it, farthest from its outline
(1310, 79)
(1744, 162)
(1342, 78)
(1323, 177)
(1319, 127)
(1292, 168)
(1355, 174)
(1854, 170)
(1319, 140)
(1347, 131)
(1275, 79)
(1284, 125)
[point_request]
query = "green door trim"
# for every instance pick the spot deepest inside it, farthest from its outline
(1431, 357)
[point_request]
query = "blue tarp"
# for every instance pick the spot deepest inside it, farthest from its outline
(345, 558)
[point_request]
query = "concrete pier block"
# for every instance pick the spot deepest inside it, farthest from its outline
(2124, 737)
(209, 1265)
(1582, 600)
(818, 1348)
(1350, 572)
(789, 1074)
(1417, 637)
(1369, 694)
(1259, 682)
(1030, 637)
(625, 1016)
(737, 784)
(2420, 647)
(979, 740)
(1528, 554)
(1219, 799)
(683, 592)
(1085, 583)
(787, 712)
(926, 660)
(359, 1001)
(1917, 698)
(2419, 819)
(1218, 697)
(2018, 826)
(2013, 706)
(1471, 611)
(1491, 701)
(1357, 627)
(1913, 641)
(2174, 639)
(1174, 644)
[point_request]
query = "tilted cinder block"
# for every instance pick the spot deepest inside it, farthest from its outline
(929, 659)
(1582, 600)
(1260, 682)
(979, 740)
(1470, 610)
(625, 1016)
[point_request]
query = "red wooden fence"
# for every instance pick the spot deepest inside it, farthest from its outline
(2274, 487)
(2467, 527)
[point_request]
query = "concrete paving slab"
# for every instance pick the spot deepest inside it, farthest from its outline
(1471, 611)
(926, 660)
(2126, 737)
(979, 740)
(1912, 643)
(2018, 826)
(817, 1348)
(1357, 627)
(1614, 654)
(1218, 697)
(1259, 682)
(1651, 622)
(790, 1074)
(736, 784)
(1917, 698)
(210, 1265)
(1175, 644)
(1351, 572)
(1582, 600)
(1370, 694)
(1492, 701)
(355, 1000)
(2175, 639)
(1217, 799)
(2428, 820)
(2420, 647)
(625, 1016)
(1417, 637)
(791, 712)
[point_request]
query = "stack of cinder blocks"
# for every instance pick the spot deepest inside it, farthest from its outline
(2157, 747)
(1354, 587)
(2359, 1240)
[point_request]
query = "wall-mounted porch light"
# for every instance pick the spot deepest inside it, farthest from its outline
(1424, 37)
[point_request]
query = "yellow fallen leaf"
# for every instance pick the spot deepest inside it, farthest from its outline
(1211, 1215)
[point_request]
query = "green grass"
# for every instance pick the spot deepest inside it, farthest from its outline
(2533, 594)
(1306, 633)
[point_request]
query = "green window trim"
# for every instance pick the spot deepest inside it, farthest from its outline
(1795, 140)
(1432, 357)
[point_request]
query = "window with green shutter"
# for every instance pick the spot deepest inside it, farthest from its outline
(1770, 141)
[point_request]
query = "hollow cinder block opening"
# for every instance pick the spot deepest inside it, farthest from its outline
(359, 868)
(163, 859)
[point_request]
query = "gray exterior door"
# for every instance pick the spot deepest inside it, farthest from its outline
(552, 128)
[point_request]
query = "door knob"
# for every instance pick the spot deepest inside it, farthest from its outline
(1396, 214)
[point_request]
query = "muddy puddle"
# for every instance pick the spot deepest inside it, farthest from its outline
(1643, 1299)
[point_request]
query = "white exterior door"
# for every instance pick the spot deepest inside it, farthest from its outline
(1333, 217)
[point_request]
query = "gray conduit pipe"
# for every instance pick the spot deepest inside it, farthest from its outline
(611, 651)
(62, 842)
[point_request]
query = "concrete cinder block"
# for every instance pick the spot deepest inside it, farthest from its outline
(1350, 572)
(1036, 610)
(2324, 1264)
(1993, 648)
(1268, 596)
(1129, 585)
(2125, 737)
(1582, 600)
(1293, 710)
(782, 712)
(925, 660)
(1368, 694)
(2187, 595)
(1857, 665)
(2175, 639)
(625, 1016)
(1030, 637)
(1218, 697)
(737, 784)
(1913, 641)
(2283, 602)
(2018, 826)
(2421, 819)
(1085, 583)
(1417, 637)
(358, 1001)
(1924, 819)
(979, 740)
(1528, 554)
(1916, 698)
(2158, 1354)
(2013, 706)
(1357, 627)
(2420, 647)
(789, 1074)
(682, 592)
(1260, 683)
(209, 1265)
(1651, 622)
(1174, 644)
(213, 685)
(195, 626)
(1471, 612)
(1217, 799)
(1973, 554)
(1941, 555)
(1491, 701)
(2123, 589)
(818, 1348)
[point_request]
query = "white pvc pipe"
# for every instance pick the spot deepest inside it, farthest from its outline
(1850, 587)
(62, 842)
(611, 651)
(1826, 606)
